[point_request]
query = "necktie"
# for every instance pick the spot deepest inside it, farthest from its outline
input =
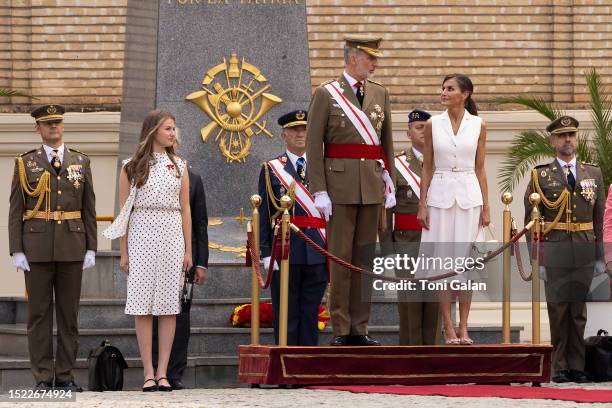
(55, 160)
(571, 180)
(359, 87)
(301, 169)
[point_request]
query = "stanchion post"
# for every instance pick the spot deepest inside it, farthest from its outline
(536, 230)
(253, 226)
(506, 199)
(286, 203)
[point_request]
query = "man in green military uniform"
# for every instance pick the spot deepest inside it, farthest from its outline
(52, 238)
(348, 146)
(572, 206)
(418, 315)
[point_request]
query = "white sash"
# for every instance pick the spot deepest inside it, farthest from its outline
(414, 181)
(302, 195)
(363, 125)
(357, 117)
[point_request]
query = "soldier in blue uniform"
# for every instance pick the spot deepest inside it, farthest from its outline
(286, 175)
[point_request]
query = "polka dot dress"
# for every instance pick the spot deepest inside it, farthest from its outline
(155, 242)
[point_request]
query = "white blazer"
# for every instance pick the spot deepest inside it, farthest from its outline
(454, 179)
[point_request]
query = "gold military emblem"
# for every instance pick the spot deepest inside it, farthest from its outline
(231, 100)
(300, 115)
(51, 110)
(566, 121)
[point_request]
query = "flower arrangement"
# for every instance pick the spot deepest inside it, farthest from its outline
(241, 316)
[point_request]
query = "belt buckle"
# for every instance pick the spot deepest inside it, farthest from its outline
(58, 216)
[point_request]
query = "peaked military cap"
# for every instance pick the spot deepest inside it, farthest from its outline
(564, 124)
(46, 113)
(295, 118)
(369, 45)
(418, 115)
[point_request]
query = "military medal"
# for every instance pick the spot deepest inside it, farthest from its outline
(373, 115)
(75, 174)
(377, 108)
(409, 193)
(588, 187)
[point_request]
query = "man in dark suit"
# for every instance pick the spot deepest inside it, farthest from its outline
(286, 174)
(52, 238)
(197, 275)
(572, 206)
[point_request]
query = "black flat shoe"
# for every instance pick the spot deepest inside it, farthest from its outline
(150, 388)
(561, 376)
(340, 341)
(363, 340)
(43, 385)
(177, 384)
(578, 377)
(163, 388)
(68, 386)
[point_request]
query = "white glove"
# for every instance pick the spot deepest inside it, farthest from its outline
(266, 263)
(600, 267)
(543, 273)
(390, 201)
(90, 259)
(20, 261)
(323, 204)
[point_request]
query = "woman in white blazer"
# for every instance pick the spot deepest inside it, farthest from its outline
(454, 205)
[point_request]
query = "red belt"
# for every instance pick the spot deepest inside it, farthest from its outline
(353, 151)
(304, 221)
(406, 222)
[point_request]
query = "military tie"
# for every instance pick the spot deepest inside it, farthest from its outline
(301, 169)
(55, 161)
(359, 92)
(571, 180)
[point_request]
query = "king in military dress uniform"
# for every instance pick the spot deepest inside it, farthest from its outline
(572, 206)
(349, 146)
(286, 175)
(418, 315)
(52, 238)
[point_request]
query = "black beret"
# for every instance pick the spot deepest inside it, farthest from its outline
(418, 115)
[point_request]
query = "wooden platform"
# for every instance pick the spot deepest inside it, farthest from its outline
(482, 364)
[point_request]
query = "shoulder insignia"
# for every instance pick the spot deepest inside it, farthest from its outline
(76, 151)
(403, 152)
(374, 82)
(24, 153)
(589, 164)
(329, 81)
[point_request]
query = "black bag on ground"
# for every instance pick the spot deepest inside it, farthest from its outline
(598, 358)
(106, 365)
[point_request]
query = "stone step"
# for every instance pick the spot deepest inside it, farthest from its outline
(109, 313)
(203, 371)
(209, 340)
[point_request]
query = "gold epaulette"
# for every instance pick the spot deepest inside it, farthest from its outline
(589, 164)
(402, 153)
(77, 151)
(329, 81)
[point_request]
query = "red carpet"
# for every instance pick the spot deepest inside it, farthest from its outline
(501, 391)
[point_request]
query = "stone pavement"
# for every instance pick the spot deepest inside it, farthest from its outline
(281, 398)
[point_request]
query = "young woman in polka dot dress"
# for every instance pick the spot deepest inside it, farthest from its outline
(155, 229)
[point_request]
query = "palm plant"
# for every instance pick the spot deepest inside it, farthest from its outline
(10, 92)
(532, 146)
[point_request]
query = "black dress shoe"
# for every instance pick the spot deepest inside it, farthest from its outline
(340, 341)
(363, 340)
(161, 387)
(68, 386)
(177, 384)
(578, 377)
(43, 385)
(561, 376)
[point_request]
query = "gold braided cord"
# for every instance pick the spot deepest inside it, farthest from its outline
(562, 203)
(43, 186)
(276, 201)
